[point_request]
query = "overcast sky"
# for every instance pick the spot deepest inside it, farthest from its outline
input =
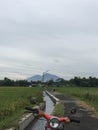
(56, 35)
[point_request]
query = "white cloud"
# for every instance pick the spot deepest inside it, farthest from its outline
(56, 35)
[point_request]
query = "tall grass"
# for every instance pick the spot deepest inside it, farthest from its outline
(12, 102)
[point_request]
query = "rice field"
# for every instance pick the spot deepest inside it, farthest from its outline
(12, 103)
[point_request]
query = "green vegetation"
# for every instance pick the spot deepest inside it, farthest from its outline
(76, 81)
(89, 95)
(59, 110)
(12, 103)
(14, 99)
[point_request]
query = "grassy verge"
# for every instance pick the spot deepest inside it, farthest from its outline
(12, 103)
(59, 110)
(89, 95)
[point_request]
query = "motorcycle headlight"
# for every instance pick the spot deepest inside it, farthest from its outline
(54, 123)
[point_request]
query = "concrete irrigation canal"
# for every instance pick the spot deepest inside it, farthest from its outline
(40, 124)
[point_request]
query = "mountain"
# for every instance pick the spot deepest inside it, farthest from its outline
(47, 77)
(35, 78)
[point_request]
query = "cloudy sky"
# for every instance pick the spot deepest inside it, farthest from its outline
(56, 35)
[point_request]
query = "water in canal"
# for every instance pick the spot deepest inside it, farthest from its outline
(40, 124)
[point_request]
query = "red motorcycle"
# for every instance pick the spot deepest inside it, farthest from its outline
(53, 122)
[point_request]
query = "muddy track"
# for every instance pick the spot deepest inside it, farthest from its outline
(88, 118)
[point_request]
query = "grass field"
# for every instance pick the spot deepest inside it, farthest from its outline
(12, 103)
(89, 95)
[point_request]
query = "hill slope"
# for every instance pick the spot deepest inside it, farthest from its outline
(47, 77)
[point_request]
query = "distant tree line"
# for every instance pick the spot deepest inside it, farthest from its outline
(85, 82)
(76, 81)
(9, 82)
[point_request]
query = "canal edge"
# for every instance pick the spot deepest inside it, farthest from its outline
(27, 119)
(54, 99)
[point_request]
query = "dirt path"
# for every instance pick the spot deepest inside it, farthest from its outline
(88, 118)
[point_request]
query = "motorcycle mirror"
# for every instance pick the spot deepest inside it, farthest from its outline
(73, 111)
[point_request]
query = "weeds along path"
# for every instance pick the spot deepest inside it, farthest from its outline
(88, 118)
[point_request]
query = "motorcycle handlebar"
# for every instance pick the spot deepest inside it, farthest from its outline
(36, 111)
(33, 110)
(74, 120)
